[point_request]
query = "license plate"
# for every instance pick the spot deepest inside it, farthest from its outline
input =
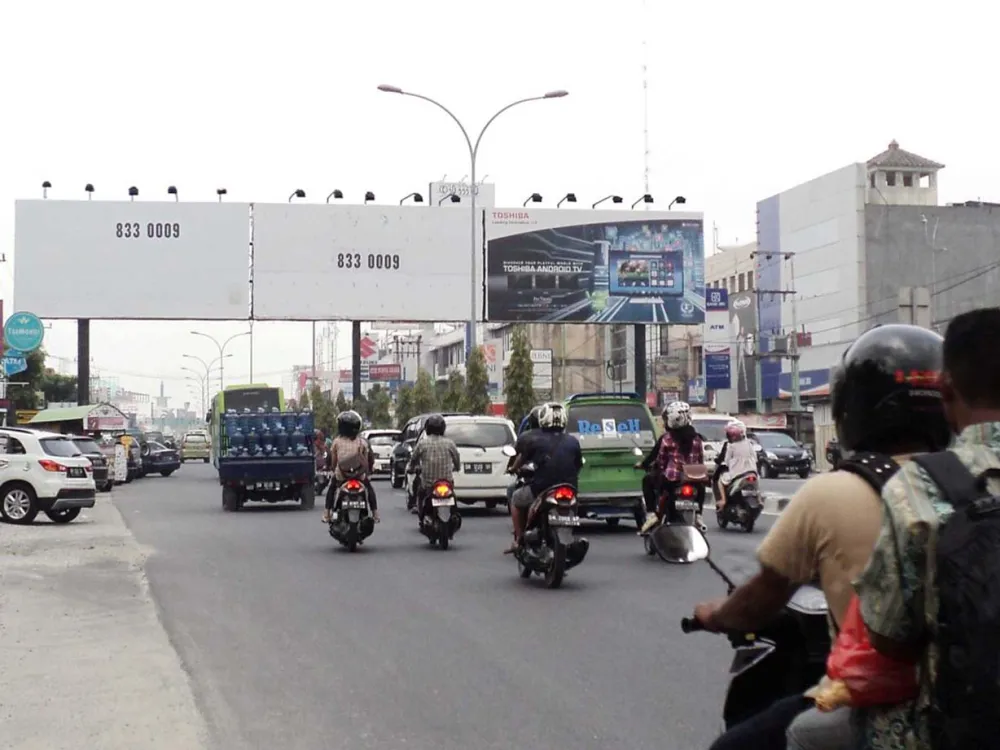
(479, 468)
(686, 505)
(76, 472)
(358, 504)
(440, 502)
(556, 520)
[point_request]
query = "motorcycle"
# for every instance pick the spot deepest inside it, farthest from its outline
(549, 548)
(438, 514)
(743, 503)
(685, 505)
(786, 657)
(351, 521)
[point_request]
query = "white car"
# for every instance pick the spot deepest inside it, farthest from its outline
(42, 472)
(382, 443)
(482, 476)
(712, 428)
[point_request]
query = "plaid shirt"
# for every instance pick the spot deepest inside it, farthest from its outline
(672, 461)
(437, 457)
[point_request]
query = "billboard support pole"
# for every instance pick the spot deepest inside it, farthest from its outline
(639, 349)
(356, 358)
(83, 361)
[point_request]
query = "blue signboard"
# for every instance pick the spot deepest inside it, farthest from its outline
(716, 299)
(717, 372)
(13, 362)
(23, 331)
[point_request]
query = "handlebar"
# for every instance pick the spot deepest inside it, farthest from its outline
(691, 625)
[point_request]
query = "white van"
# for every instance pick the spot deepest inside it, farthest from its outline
(712, 428)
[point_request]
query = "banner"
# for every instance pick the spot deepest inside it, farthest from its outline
(548, 265)
(384, 373)
(743, 334)
(493, 354)
(715, 339)
(669, 372)
(697, 393)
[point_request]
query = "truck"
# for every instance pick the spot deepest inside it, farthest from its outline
(264, 454)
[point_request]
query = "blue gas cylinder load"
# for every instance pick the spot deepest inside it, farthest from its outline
(266, 435)
(296, 438)
(233, 434)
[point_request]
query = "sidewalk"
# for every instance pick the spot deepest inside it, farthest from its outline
(84, 660)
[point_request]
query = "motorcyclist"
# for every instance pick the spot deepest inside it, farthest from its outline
(680, 447)
(737, 457)
(830, 527)
(525, 436)
(350, 452)
(650, 484)
(436, 456)
(557, 458)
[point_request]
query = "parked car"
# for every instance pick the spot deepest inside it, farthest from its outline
(782, 455)
(43, 472)
(103, 478)
(382, 442)
(405, 441)
(195, 447)
(159, 459)
(482, 476)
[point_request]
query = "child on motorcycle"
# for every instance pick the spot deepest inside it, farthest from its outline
(737, 457)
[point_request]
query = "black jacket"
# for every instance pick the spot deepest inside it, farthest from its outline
(649, 460)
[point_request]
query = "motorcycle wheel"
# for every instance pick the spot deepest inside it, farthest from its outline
(443, 540)
(647, 543)
(748, 525)
(723, 523)
(523, 570)
(557, 568)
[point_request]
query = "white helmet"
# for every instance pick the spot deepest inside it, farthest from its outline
(552, 417)
(677, 414)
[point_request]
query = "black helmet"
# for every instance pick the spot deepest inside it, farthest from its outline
(348, 424)
(885, 391)
(533, 418)
(434, 425)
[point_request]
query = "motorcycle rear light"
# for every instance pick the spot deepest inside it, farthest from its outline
(687, 491)
(53, 466)
(442, 489)
(564, 493)
(352, 485)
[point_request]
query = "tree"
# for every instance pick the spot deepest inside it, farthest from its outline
(304, 401)
(424, 396)
(57, 387)
(404, 406)
(518, 379)
(342, 404)
(361, 405)
(379, 405)
(477, 383)
(26, 396)
(324, 416)
(453, 396)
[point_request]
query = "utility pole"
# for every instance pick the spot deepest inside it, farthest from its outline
(792, 351)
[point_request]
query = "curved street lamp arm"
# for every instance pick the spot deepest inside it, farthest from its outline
(475, 149)
(222, 347)
(451, 114)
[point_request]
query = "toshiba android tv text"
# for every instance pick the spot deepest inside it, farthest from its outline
(549, 265)
(132, 260)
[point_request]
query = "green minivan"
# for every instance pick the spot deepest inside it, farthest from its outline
(610, 427)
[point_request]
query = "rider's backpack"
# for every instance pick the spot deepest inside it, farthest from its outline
(874, 468)
(965, 698)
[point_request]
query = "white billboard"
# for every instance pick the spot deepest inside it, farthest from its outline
(329, 262)
(439, 194)
(132, 261)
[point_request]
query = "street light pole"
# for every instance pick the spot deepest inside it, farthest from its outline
(222, 351)
(473, 154)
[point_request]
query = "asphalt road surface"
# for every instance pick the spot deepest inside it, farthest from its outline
(293, 643)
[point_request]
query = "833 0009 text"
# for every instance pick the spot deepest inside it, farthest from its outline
(133, 230)
(371, 261)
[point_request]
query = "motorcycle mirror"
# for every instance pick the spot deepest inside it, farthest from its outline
(680, 544)
(508, 450)
(583, 460)
(636, 451)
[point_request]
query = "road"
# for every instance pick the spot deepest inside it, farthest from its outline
(293, 643)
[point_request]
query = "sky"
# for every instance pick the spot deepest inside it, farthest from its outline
(744, 101)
